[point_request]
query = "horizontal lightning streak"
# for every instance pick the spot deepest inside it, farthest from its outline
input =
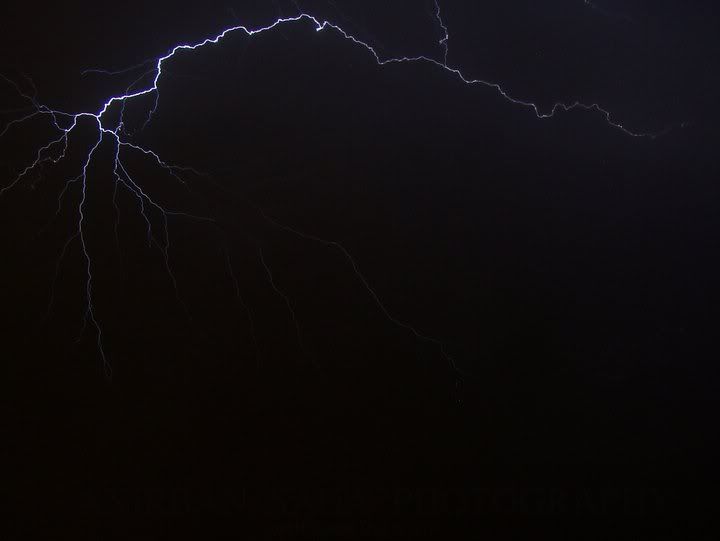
(322, 25)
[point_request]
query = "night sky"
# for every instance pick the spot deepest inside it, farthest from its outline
(568, 269)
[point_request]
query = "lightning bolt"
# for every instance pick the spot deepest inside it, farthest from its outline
(67, 124)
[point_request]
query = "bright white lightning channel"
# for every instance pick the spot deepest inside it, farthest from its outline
(66, 124)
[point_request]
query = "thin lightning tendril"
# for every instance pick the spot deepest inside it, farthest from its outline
(245, 306)
(66, 124)
(283, 296)
(366, 285)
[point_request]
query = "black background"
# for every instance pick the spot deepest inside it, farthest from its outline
(568, 268)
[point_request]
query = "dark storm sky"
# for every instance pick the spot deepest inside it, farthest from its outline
(570, 270)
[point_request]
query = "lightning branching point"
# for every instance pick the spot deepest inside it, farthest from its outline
(66, 124)
(90, 315)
